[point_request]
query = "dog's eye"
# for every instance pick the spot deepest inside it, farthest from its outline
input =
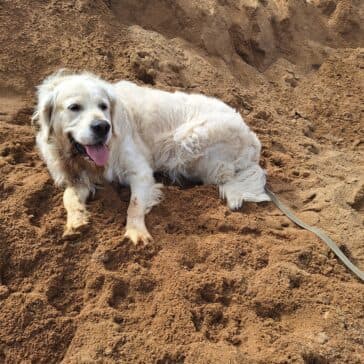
(74, 107)
(103, 106)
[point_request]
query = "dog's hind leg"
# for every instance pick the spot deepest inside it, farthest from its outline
(74, 200)
(223, 151)
(238, 178)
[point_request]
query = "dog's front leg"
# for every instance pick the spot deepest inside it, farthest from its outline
(145, 193)
(74, 200)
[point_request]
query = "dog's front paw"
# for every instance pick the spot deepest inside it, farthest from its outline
(136, 235)
(76, 225)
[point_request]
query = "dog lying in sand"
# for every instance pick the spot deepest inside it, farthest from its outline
(90, 130)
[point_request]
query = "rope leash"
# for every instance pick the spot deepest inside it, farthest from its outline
(318, 232)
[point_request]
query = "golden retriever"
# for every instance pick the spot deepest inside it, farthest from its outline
(90, 130)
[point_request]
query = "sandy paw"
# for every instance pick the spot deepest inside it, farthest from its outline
(138, 235)
(76, 226)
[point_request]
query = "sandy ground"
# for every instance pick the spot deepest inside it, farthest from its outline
(215, 286)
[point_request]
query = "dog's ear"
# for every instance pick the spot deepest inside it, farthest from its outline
(120, 116)
(111, 94)
(42, 117)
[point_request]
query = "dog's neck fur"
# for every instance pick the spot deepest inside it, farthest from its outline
(77, 169)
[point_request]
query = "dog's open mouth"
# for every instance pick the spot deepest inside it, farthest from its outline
(98, 153)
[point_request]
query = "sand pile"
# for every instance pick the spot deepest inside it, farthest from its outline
(215, 286)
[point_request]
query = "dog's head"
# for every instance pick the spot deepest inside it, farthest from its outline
(75, 110)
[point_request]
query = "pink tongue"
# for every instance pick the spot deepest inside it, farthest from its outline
(98, 153)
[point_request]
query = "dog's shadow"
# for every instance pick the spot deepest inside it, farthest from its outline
(181, 182)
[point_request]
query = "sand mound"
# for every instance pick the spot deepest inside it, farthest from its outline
(216, 286)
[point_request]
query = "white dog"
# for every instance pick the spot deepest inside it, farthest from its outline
(91, 130)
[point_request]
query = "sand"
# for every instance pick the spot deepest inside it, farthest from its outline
(215, 286)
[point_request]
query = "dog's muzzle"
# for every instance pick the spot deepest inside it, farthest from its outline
(97, 152)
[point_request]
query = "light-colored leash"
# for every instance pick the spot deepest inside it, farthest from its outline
(330, 243)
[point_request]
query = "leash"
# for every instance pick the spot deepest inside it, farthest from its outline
(318, 232)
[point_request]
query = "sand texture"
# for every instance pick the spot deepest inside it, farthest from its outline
(215, 286)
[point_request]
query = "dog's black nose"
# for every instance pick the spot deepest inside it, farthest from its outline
(100, 128)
